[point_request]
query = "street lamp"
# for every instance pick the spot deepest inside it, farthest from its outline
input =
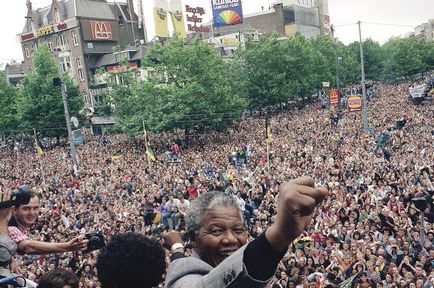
(59, 82)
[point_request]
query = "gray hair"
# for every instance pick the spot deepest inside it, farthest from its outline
(208, 200)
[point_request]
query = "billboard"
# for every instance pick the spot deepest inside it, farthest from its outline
(334, 96)
(354, 103)
(227, 12)
(101, 30)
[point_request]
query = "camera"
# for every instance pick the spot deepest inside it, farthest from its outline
(96, 241)
(20, 196)
(420, 203)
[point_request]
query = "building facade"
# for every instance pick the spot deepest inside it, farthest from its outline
(79, 33)
(424, 31)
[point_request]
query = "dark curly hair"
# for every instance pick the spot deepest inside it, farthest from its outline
(58, 278)
(131, 260)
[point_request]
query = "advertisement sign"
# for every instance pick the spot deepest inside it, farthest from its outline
(177, 18)
(161, 11)
(227, 12)
(120, 67)
(27, 36)
(194, 15)
(334, 96)
(47, 30)
(101, 30)
(326, 84)
(354, 103)
(77, 135)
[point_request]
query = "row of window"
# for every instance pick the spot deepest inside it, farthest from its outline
(65, 64)
(61, 41)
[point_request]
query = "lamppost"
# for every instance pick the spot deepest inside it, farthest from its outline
(59, 82)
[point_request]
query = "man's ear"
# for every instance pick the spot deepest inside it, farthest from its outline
(14, 210)
(192, 237)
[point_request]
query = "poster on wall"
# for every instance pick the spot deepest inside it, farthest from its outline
(227, 12)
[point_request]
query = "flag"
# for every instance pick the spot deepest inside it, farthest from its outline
(150, 153)
(161, 8)
(118, 155)
(177, 17)
(267, 130)
(347, 282)
(37, 147)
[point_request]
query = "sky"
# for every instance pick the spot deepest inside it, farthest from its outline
(401, 17)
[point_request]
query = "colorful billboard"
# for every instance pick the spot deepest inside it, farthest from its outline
(354, 103)
(334, 96)
(227, 12)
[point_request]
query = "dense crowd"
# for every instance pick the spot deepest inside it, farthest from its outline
(368, 232)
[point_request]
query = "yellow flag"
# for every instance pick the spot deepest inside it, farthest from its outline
(161, 8)
(177, 18)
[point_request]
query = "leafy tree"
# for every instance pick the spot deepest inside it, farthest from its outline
(188, 87)
(41, 105)
(403, 58)
(267, 65)
(373, 55)
(8, 106)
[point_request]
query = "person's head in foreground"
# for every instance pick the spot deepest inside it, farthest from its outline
(58, 278)
(131, 261)
(215, 225)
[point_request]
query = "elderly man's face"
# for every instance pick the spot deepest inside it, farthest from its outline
(222, 232)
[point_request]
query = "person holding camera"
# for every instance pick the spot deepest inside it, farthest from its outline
(24, 215)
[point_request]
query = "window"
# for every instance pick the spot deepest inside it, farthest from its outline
(61, 42)
(79, 62)
(26, 51)
(81, 74)
(65, 63)
(50, 45)
(74, 38)
(57, 16)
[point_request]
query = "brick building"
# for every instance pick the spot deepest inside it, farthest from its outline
(80, 33)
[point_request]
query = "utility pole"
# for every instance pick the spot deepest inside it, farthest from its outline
(59, 82)
(337, 79)
(365, 104)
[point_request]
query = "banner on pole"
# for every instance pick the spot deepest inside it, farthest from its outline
(177, 18)
(354, 103)
(161, 8)
(334, 96)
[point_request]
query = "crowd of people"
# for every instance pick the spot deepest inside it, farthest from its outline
(368, 232)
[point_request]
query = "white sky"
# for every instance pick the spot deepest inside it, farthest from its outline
(398, 12)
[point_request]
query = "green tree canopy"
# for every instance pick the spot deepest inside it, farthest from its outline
(41, 106)
(188, 87)
(8, 107)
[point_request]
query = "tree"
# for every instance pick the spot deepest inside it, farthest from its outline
(41, 106)
(8, 106)
(188, 87)
(268, 69)
(373, 55)
(403, 58)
